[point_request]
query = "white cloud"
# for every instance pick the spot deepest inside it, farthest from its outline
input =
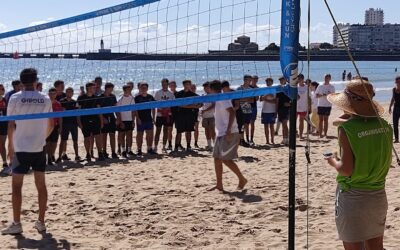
(319, 32)
(49, 19)
(3, 27)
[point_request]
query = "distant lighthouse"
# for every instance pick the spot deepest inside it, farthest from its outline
(102, 44)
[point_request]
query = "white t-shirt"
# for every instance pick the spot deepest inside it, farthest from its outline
(162, 95)
(324, 90)
(314, 100)
(269, 107)
(29, 135)
(222, 118)
(209, 113)
(302, 102)
(126, 100)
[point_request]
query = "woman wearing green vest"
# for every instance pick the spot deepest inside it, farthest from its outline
(365, 142)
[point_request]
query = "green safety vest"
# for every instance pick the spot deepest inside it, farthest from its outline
(372, 149)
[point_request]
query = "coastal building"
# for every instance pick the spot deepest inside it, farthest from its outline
(336, 36)
(243, 44)
(374, 17)
(373, 35)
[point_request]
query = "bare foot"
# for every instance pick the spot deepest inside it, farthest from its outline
(242, 183)
(221, 189)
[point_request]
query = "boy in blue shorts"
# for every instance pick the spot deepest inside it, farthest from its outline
(269, 110)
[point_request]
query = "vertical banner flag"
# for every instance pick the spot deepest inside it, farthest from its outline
(290, 29)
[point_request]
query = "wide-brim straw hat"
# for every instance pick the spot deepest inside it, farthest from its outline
(356, 99)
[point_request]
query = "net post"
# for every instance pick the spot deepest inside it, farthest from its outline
(290, 29)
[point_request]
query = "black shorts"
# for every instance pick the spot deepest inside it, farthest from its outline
(23, 162)
(324, 111)
(185, 124)
(110, 127)
(239, 120)
(3, 128)
(283, 114)
(164, 121)
(247, 118)
(69, 129)
(53, 137)
(91, 127)
(128, 126)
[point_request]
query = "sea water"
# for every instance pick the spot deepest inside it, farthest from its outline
(76, 72)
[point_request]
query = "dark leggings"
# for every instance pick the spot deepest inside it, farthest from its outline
(396, 117)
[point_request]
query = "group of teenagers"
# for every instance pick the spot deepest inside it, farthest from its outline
(112, 133)
(360, 205)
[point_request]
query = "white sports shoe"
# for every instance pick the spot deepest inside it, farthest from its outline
(40, 226)
(14, 228)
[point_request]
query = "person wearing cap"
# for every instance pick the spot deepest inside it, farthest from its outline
(27, 140)
(395, 101)
(365, 141)
(247, 111)
(126, 123)
(323, 105)
(164, 120)
(283, 109)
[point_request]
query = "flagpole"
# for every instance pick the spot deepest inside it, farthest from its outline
(290, 29)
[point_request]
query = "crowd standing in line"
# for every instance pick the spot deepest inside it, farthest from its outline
(112, 134)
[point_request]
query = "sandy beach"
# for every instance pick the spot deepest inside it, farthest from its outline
(163, 203)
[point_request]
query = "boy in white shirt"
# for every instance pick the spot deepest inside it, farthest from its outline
(324, 106)
(228, 138)
(269, 110)
(302, 103)
(27, 140)
(126, 122)
(208, 121)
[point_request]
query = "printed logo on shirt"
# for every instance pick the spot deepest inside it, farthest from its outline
(32, 100)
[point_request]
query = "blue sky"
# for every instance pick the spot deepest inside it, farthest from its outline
(21, 13)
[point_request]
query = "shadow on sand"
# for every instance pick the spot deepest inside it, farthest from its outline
(46, 243)
(246, 198)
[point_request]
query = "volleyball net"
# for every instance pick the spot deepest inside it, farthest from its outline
(148, 40)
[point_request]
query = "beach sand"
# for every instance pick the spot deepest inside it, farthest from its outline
(163, 203)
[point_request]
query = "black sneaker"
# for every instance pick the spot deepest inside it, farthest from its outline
(88, 158)
(78, 158)
(101, 157)
(106, 156)
(243, 143)
(58, 160)
(196, 145)
(65, 158)
(189, 149)
(139, 153)
(124, 154)
(5, 165)
(169, 147)
(50, 163)
(130, 154)
(151, 152)
(251, 143)
(114, 156)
